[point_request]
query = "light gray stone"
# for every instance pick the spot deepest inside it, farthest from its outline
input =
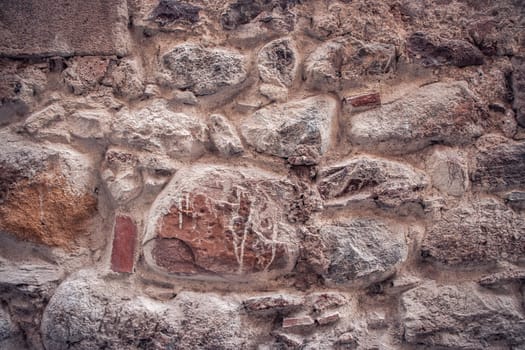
(447, 168)
(157, 129)
(366, 179)
(362, 251)
(462, 317)
(322, 68)
(277, 62)
(203, 70)
(126, 76)
(280, 129)
(224, 137)
(437, 113)
(477, 233)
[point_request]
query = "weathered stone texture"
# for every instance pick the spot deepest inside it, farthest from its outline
(63, 28)
(436, 113)
(221, 220)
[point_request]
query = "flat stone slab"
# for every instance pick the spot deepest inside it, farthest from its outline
(63, 28)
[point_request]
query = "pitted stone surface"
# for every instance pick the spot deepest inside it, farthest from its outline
(203, 70)
(277, 62)
(222, 221)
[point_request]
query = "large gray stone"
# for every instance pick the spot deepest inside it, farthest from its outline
(280, 130)
(63, 28)
(361, 179)
(277, 62)
(447, 168)
(437, 113)
(474, 234)
(462, 317)
(93, 313)
(204, 71)
(157, 129)
(362, 250)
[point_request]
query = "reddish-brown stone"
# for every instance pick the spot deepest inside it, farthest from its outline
(371, 99)
(329, 318)
(124, 241)
(300, 321)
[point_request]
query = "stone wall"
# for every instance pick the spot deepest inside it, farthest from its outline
(266, 174)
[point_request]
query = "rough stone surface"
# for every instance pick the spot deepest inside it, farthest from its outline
(323, 67)
(436, 113)
(518, 86)
(273, 304)
(224, 137)
(277, 62)
(362, 250)
(279, 130)
(91, 313)
(361, 179)
(476, 233)
(448, 171)
(51, 28)
(225, 221)
(202, 70)
(461, 317)
(46, 194)
(498, 164)
(157, 129)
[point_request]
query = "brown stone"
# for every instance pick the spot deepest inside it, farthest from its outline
(63, 28)
(300, 321)
(222, 221)
(364, 101)
(124, 241)
(325, 300)
(273, 303)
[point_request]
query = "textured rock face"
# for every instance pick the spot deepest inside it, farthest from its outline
(262, 174)
(46, 194)
(280, 130)
(37, 28)
(478, 233)
(437, 113)
(224, 221)
(157, 129)
(362, 250)
(89, 313)
(387, 183)
(204, 71)
(461, 317)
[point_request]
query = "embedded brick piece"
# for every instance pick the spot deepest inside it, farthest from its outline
(329, 318)
(124, 243)
(300, 321)
(362, 102)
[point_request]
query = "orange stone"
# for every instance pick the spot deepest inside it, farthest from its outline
(124, 242)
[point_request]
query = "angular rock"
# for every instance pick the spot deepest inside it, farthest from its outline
(498, 164)
(84, 74)
(124, 242)
(157, 129)
(121, 175)
(435, 51)
(516, 199)
(518, 88)
(437, 113)
(322, 68)
(299, 321)
(6, 326)
(242, 12)
(510, 274)
(20, 89)
(475, 234)
(328, 318)
(224, 137)
(277, 62)
(274, 92)
(362, 251)
(363, 179)
(367, 59)
(272, 304)
(214, 222)
(461, 317)
(93, 313)
(47, 194)
(325, 300)
(280, 129)
(61, 28)
(203, 70)
(448, 170)
(126, 76)
(168, 11)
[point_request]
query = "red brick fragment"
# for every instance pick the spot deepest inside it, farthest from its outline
(124, 241)
(329, 318)
(289, 322)
(365, 101)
